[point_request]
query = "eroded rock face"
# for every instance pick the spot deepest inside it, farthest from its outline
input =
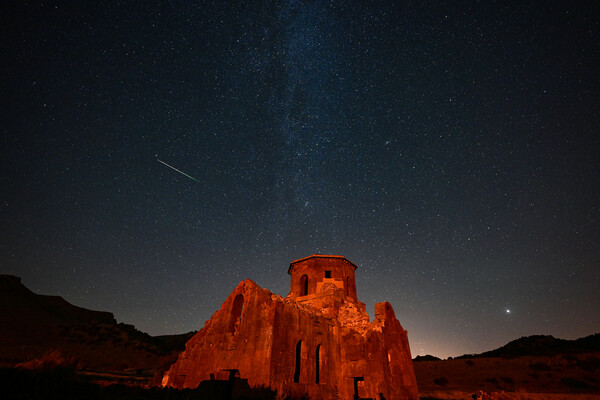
(318, 341)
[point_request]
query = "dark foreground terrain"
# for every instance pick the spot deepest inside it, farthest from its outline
(67, 384)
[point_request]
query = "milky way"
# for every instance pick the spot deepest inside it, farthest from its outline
(450, 152)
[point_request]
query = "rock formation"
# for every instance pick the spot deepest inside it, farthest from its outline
(317, 342)
(39, 331)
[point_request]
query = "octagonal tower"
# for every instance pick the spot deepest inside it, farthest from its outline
(318, 279)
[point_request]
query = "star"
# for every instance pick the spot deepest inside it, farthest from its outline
(326, 127)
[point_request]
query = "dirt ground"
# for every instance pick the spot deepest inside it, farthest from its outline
(522, 378)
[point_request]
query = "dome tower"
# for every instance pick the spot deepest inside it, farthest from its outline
(318, 275)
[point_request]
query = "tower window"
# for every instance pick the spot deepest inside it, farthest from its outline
(304, 285)
(327, 274)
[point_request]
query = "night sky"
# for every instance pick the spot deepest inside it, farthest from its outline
(450, 151)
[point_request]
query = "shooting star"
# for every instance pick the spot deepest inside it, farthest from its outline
(181, 172)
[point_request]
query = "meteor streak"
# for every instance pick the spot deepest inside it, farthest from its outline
(181, 172)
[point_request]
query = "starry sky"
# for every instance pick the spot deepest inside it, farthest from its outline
(450, 150)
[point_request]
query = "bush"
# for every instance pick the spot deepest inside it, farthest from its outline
(441, 381)
(589, 364)
(575, 383)
(49, 360)
(539, 366)
(493, 381)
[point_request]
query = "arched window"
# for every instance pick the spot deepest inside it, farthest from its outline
(347, 286)
(318, 364)
(236, 314)
(304, 285)
(298, 361)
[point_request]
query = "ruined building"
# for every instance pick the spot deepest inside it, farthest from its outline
(317, 341)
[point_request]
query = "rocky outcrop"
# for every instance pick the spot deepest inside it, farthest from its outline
(318, 341)
(39, 330)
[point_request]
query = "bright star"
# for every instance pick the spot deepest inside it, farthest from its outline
(507, 311)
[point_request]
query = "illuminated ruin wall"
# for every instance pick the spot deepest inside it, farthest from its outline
(318, 341)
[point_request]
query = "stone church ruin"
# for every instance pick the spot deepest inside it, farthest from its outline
(316, 342)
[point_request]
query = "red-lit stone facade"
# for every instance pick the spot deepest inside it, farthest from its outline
(317, 341)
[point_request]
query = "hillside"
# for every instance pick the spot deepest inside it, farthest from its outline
(533, 364)
(38, 329)
(542, 345)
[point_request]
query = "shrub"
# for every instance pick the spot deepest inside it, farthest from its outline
(575, 383)
(441, 381)
(589, 364)
(50, 359)
(493, 381)
(539, 366)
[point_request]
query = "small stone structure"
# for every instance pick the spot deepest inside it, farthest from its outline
(316, 342)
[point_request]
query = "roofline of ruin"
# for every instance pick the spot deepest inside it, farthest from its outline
(319, 256)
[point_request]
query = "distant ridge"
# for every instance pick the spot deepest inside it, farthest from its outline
(15, 298)
(427, 357)
(542, 345)
(38, 327)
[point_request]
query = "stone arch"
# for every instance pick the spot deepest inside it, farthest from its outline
(236, 313)
(298, 361)
(304, 285)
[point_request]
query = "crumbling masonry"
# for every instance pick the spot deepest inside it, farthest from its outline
(315, 342)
